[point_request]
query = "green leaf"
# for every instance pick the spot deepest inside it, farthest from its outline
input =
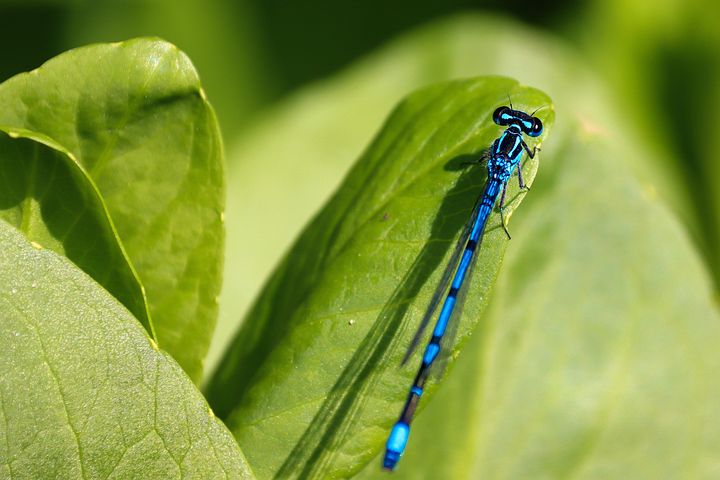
(135, 118)
(314, 135)
(319, 132)
(83, 392)
(598, 356)
(51, 200)
(312, 379)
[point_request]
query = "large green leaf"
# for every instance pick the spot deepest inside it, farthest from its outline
(83, 392)
(51, 200)
(135, 118)
(313, 133)
(598, 357)
(312, 379)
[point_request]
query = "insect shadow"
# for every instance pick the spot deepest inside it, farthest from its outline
(330, 426)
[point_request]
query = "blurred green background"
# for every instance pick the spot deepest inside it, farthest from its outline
(300, 88)
(250, 53)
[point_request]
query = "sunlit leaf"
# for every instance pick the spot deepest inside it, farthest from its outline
(312, 380)
(135, 118)
(83, 392)
(51, 200)
(598, 355)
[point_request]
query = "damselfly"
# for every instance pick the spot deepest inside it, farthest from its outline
(503, 158)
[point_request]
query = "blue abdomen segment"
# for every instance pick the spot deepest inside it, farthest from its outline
(487, 202)
(431, 352)
(395, 446)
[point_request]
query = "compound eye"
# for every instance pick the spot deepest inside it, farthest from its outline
(537, 127)
(499, 114)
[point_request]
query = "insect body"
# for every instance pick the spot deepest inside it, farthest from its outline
(503, 158)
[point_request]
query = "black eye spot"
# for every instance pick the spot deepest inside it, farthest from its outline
(497, 115)
(537, 128)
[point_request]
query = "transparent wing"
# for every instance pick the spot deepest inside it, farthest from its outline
(452, 329)
(445, 281)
